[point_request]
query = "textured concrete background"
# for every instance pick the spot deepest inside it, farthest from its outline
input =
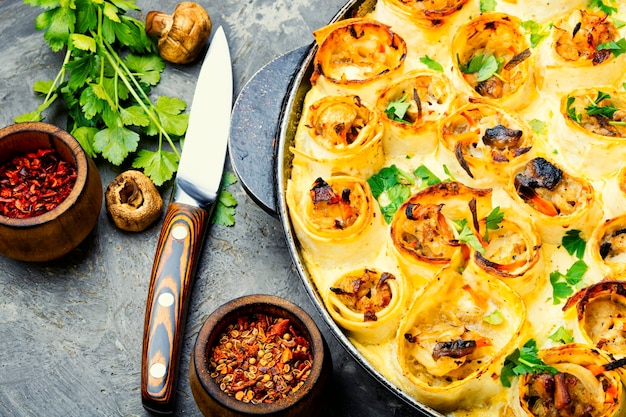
(71, 330)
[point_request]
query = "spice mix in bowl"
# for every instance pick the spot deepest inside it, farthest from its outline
(50, 192)
(259, 355)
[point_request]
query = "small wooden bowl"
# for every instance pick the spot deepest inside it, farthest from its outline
(305, 402)
(55, 233)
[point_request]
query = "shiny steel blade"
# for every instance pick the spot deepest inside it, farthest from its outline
(204, 148)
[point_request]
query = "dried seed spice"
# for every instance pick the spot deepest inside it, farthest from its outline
(260, 359)
(34, 183)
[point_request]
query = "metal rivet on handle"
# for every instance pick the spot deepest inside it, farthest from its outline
(157, 370)
(166, 299)
(179, 232)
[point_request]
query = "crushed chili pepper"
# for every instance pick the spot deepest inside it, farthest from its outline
(260, 359)
(34, 183)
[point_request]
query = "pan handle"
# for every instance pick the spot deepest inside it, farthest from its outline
(254, 128)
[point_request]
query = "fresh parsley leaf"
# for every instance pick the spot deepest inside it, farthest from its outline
(426, 175)
(487, 6)
(604, 6)
(466, 235)
(495, 318)
(484, 66)
(562, 335)
(616, 47)
(391, 187)
(448, 173)
(571, 110)
(494, 218)
(573, 243)
(539, 126)
(224, 214)
(563, 286)
(595, 109)
(431, 63)
(522, 362)
(397, 109)
(536, 32)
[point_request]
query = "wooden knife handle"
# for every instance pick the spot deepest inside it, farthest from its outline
(171, 282)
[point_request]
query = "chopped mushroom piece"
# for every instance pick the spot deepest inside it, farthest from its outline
(133, 201)
(183, 34)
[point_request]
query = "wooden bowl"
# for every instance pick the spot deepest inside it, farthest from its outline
(55, 233)
(212, 401)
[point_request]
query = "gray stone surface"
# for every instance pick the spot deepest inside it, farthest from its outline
(71, 330)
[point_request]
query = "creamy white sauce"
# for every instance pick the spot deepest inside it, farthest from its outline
(558, 143)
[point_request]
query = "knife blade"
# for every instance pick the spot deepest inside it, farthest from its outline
(184, 227)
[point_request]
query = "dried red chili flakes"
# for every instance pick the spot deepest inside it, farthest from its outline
(260, 359)
(34, 183)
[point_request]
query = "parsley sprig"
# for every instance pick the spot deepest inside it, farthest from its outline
(573, 243)
(604, 6)
(536, 31)
(225, 210)
(484, 66)
(616, 47)
(109, 68)
(466, 235)
(494, 218)
(396, 109)
(564, 285)
(522, 362)
(391, 186)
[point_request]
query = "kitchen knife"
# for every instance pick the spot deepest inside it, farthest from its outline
(179, 246)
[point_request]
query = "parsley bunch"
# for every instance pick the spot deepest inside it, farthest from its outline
(109, 68)
(522, 362)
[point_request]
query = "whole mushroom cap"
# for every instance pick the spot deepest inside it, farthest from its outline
(183, 34)
(133, 201)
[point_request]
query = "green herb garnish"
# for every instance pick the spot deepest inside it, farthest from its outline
(574, 243)
(536, 32)
(495, 318)
(616, 47)
(466, 235)
(604, 6)
(487, 6)
(431, 63)
(108, 70)
(396, 110)
(391, 187)
(522, 362)
(563, 285)
(595, 109)
(426, 175)
(539, 126)
(571, 110)
(485, 66)
(562, 335)
(224, 214)
(494, 218)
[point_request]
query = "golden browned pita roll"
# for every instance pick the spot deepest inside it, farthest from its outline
(447, 346)
(601, 313)
(570, 56)
(424, 239)
(368, 303)
(579, 386)
(357, 56)
(487, 142)
(607, 247)
(555, 200)
(511, 251)
(340, 135)
(336, 220)
(428, 96)
(493, 59)
(591, 129)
